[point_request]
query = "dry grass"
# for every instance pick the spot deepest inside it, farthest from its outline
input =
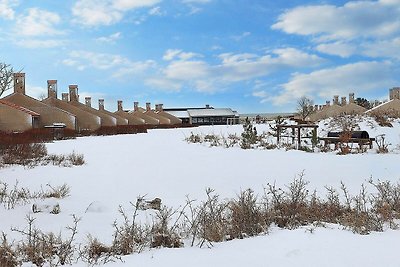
(34, 154)
(212, 220)
(42, 249)
(13, 196)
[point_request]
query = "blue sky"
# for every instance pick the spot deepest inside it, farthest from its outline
(250, 55)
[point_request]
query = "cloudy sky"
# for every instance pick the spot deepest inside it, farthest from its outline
(250, 55)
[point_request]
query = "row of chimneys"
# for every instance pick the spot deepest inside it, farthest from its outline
(88, 100)
(336, 102)
(19, 87)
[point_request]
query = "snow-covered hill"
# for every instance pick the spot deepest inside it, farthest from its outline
(162, 164)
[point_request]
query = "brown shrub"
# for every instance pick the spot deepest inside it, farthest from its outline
(8, 257)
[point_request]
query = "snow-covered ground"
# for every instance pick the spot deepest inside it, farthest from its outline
(162, 164)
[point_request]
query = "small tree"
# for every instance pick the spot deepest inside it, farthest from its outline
(6, 77)
(363, 102)
(249, 135)
(305, 107)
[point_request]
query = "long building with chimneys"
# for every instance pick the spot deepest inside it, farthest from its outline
(337, 108)
(19, 112)
(389, 108)
(48, 115)
(86, 121)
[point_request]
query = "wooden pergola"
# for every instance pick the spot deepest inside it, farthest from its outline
(296, 131)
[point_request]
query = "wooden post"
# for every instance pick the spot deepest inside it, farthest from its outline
(278, 132)
(298, 138)
(293, 134)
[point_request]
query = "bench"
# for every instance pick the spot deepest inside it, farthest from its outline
(358, 137)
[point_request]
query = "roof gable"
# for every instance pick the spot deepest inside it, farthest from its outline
(20, 108)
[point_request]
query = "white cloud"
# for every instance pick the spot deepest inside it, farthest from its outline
(7, 9)
(131, 69)
(356, 77)
(164, 84)
(341, 49)
(260, 94)
(38, 22)
(367, 28)
(70, 62)
(296, 58)
(156, 11)
(119, 67)
(193, 5)
(172, 54)
(385, 48)
(109, 39)
(37, 43)
(196, 1)
(205, 77)
(37, 92)
(354, 19)
(132, 4)
(241, 36)
(216, 47)
(187, 70)
(106, 12)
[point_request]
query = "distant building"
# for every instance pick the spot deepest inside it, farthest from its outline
(49, 115)
(132, 119)
(138, 112)
(205, 116)
(390, 108)
(152, 113)
(337, 108)
(106, 120)
(394, 93)
(85, 120)
(15, 118)
(120, 120)
(173, 119)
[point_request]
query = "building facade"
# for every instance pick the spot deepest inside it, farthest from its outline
(48, 115)
(14, 118)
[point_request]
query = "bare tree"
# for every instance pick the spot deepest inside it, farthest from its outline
(6, 77)
(305, 107)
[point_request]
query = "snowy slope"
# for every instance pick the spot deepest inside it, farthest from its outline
(161, 164)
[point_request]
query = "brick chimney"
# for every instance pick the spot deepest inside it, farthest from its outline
(160, 107)
(52, 88)
(101, 104)
(351, 98)
(336, 100)
(88, 101)
(344, 101)
(207, 106)
(148, 106)
(135, 106)
(328, 103)
(316, 108)
(64, 97)
(394, 93)
(119, 102)
(19, 83)
(73, 93)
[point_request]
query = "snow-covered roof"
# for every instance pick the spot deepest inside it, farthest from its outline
(221, 112)
(179, 114)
